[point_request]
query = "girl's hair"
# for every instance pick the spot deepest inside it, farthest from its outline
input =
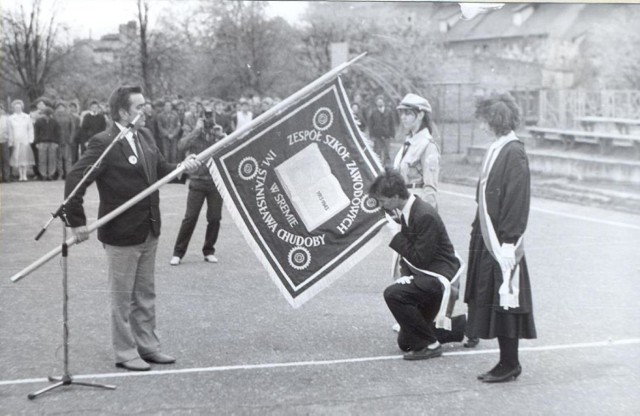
(427, 123)
(501, 112)
(426, 120)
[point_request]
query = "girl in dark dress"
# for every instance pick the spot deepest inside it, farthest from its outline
(498, 291)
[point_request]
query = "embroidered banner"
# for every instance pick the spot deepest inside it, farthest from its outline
(296, 185)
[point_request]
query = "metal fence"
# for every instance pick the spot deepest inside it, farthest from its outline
(560, 108)
(454, 106)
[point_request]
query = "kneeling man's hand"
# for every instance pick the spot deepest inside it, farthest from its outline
(404, 280)
(392, 226)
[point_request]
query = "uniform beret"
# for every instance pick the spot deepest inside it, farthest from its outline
(414, 102)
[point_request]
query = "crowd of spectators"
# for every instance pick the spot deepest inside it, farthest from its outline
(57, 132)
(44, 143)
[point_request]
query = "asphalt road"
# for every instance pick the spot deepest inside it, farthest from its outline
(243, 350)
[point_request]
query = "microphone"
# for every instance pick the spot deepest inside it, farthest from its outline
(134, 121)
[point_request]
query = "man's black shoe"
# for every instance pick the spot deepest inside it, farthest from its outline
(423, 354)
(159, 358)
(136, 364)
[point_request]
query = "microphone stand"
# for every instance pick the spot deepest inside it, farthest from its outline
(66, 379)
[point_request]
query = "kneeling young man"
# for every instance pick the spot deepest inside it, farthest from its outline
(427, 257)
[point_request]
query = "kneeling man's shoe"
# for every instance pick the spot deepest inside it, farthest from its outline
(159, 358)
(423, 354)
(137, 364)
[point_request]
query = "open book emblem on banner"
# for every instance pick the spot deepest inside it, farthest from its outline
(296, 185)
(317, 198)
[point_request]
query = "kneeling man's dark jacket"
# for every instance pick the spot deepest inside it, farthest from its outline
(424, 242)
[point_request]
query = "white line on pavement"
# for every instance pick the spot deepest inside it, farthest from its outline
(632, 341)
(583, 218)
(561, 214)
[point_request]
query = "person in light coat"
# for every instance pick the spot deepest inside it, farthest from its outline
(418, 160)
(21, 135)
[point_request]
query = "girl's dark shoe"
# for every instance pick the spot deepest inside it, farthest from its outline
(493, 370)
(503, 374)
(471, 342)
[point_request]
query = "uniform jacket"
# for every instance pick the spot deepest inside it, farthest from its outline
(420, 165)
(118, 180)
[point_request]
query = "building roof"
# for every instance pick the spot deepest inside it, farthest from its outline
(111, 37)
(566, 20)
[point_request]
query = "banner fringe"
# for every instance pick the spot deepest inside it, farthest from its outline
(336, 273)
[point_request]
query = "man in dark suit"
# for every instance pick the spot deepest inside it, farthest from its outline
(130, 240)
(382, 129)
(92, 123)
(428, 262)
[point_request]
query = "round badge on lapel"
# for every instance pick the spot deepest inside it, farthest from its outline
(133, 160)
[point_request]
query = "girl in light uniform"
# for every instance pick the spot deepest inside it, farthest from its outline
(419, 158)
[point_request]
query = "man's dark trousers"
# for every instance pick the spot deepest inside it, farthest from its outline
(5, 158)
(414, 308)
(199, 191)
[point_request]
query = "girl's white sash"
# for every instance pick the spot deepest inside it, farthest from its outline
(510, 289)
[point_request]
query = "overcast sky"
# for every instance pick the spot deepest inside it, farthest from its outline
(99, 17)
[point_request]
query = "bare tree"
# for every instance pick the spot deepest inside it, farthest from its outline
(143, 20)
(248, 55)
(30, 48)
(613, 39)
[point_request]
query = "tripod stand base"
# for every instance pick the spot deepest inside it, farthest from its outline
(67, 381)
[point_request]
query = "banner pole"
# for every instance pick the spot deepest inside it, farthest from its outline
(287, 102)
(201, 157)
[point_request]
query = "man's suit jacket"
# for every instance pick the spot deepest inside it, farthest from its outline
(424, 242)
(118, 180)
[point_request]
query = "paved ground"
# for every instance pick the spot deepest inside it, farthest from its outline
(243, 350)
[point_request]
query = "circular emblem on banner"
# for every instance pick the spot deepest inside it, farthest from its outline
(323, 118)
(133, 160)
(248, 168)
(369, 205)
(299, 258)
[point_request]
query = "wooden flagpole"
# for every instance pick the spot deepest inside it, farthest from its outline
(201, 157)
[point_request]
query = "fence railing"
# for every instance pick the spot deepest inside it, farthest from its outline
(561, 108)
(453, 109)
